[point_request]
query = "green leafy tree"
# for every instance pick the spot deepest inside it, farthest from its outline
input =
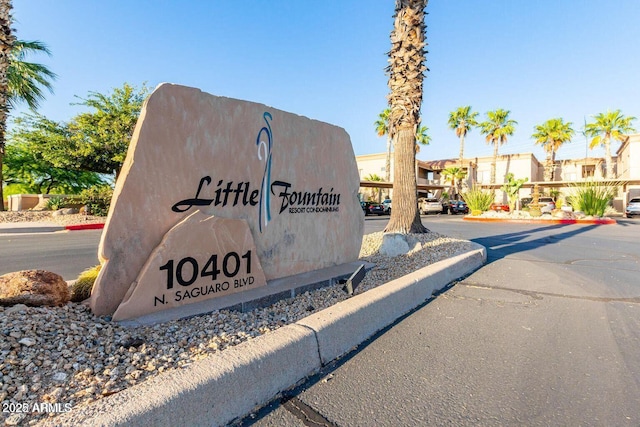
(552, 134)
(462, 121)
(91, 142)
(102, 136)
(382, 129)
(497, 128)
(607, 126)
(26, 168)
(512, 188)
(406, 74)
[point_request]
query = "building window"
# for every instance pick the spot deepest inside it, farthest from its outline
(588, 171)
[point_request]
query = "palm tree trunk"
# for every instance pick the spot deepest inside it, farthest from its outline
(494, 162)
(6, 43)
(405, 217)
(461, 150)
(607, 157)
(387, 166)
(547, 168)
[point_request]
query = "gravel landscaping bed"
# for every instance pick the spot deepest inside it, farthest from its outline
(50, 216)
(64, 357)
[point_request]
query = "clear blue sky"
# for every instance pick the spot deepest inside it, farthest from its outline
(326, 59)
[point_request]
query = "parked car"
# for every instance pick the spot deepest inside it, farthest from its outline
(371, 208)
(546, 204)
(386, 204)
(633, 207)
(499, 207)
(458, 206)
(430, 205)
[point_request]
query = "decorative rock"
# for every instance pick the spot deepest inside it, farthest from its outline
(59, 376)
(33, 288)
(15, 419)
(27, 341)
(16, 308)
(560, 214)
(222, 260)
(65, 211)
(394, 244)
(294, 180)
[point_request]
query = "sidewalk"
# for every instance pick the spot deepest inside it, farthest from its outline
(43, 227)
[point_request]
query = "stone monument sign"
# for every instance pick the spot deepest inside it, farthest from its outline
(219, 195)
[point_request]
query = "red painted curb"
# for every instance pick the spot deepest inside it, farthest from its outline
(603, 221)
(85, 227)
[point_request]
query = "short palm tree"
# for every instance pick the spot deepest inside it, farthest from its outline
(406, 74)
(382, 129)
(454, 175)
(497, 128)
(375, 178)
(462, 121)
(612, 124)
(552, 134)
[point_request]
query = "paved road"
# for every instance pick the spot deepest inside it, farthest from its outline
(66, 253)
(546, 334)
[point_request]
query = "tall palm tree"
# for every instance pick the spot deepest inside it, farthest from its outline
(612, 124)
(497, 128)
(6, 44)
(382, 129)
(28, 79)
(552, 134)
(25, 83)
(461, 121)
(422, 137)
(406, 74)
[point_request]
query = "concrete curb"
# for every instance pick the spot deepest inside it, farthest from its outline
(44, 227)
(597, 221)
(84, 227)
(230, 384)
(28, 228)
(345, 325)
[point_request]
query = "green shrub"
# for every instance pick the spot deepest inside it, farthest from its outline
(56, 202)
(592, 197)
(478, 199)
(81, 289)
(97, 199)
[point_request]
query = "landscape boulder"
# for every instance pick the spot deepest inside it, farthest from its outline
(34, 288)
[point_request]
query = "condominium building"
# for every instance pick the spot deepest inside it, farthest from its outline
(525, 165)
